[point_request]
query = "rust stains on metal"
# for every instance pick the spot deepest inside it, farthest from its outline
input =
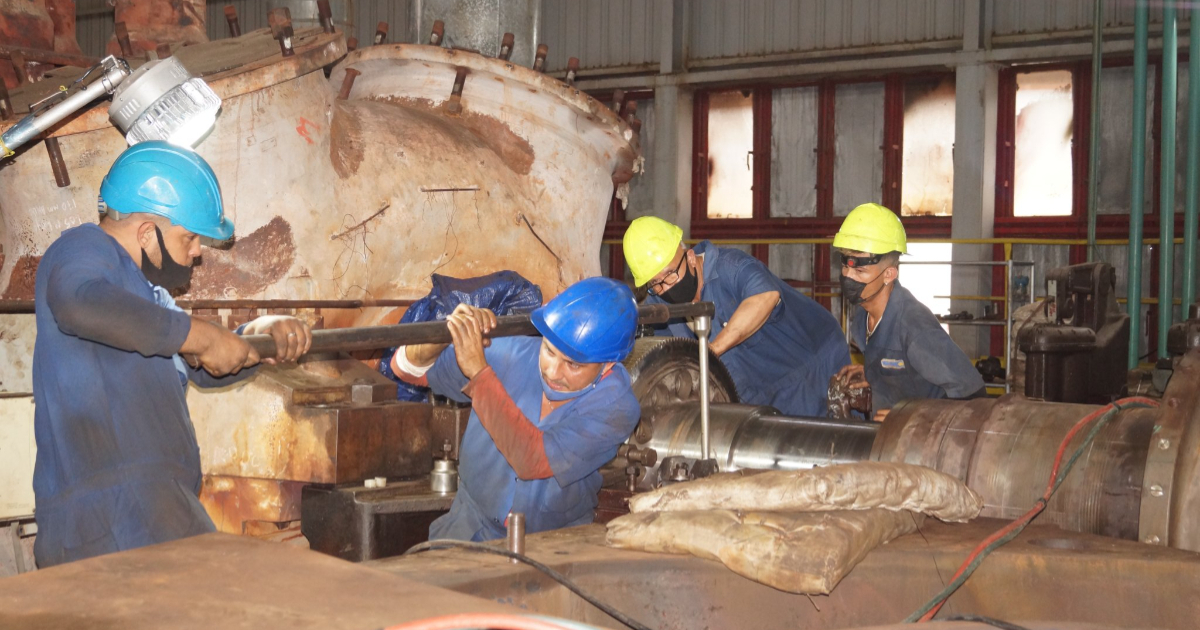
(251, 265)
(20, 283)
(236, 504)
(154, 22)
(346, 141)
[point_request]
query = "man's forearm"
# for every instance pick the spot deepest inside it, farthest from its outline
(749, 316)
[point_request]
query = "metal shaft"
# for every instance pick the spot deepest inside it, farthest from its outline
(1094, 144)
(516, 534)
(31, 126)
(1166, 193)
(703, 326)
(1193, 164)
(1137, 179)
(375, 337)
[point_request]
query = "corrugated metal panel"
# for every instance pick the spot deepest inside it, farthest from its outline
(858, 133)
(1116, 139)
(792, 262)
(363, 16)
(794, 152)
(92, 33)
(601, 33)
(641, 187)
(252, 15)
(722, 29)
(397, 14)
(1013, 17)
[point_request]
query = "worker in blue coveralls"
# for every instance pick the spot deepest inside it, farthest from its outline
(780, 346)
(546, 413)
(906, 352)
(117, 462)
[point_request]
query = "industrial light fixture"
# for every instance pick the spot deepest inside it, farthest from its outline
(161, 100)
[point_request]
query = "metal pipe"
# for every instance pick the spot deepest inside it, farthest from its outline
(1094, 139)
(703, 326)
(1137, 184)
(516, 534)
(1193, 163)
(1166, 193)
(30, 127)
(376, 337)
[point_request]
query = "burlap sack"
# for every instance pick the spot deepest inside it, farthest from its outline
(856, 486)
(797, 552)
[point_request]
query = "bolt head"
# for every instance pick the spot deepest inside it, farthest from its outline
(1156, 490)
(1164, 444)
(1152, 540)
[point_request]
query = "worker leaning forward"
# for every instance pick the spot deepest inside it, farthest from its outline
(546, 413)
(906, 352)
(780, 346)
(117, 462)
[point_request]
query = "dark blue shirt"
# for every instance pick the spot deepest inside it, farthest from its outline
(579, 437)
(788, 362)
(910, 355)
(117, 462)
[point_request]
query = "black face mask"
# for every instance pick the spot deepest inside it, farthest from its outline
(852, 289)
(684, 291)
(171, 275)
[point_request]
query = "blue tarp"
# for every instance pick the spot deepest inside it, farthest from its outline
(503, 292)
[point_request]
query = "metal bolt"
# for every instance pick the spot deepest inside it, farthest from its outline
(348, 83)
(163, 50)
(618, 101)
(381, 30)
(572, 70)
(455, 104)
(351, 44)
(6, 106)
(506, 46)
(439, 31)
(1152, 540)
(1156, 490)
(516, 534)
(280, 20)
(446, 448)
(61, 177)
(231, 18)
(539, 60)
(325, 15)
(20, 66)
(1164, 444)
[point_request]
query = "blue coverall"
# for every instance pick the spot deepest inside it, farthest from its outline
(117, 462)
(579, 438)
(910, 356)
(788, 362)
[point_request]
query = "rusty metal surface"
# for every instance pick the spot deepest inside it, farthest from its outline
(245, 506)
(1181, 416)
(42, 25)
(1042, 579)
(154, 22)
(221, 581)
(308, 423)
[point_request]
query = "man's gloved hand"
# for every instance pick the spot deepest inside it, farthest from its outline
(468, 325)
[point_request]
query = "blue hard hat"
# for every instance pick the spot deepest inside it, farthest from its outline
(169, 181)
(593, 321)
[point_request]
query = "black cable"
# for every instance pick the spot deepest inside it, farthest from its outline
(555, 575)
(1003, 625)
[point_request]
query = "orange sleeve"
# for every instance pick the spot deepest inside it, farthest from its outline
(519, 440)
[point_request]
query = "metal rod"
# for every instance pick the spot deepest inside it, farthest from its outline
(1008, 271)
(26, 306)
(1193, 164)
(1166, 193)
(1094, 139)
(30, 127)
(376, 337)
(516, 534)
(703, 326)
(1137, 184)
(57, 165)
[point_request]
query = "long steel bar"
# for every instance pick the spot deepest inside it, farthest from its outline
(1137, 184)
(376, 337)
(1166, 193)
(1193, 164)
(1094, 141)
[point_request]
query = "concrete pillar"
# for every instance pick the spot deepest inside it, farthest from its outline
(672, 165)
(974, 193)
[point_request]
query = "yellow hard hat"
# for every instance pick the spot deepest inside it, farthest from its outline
(872, 228)
(650, 243)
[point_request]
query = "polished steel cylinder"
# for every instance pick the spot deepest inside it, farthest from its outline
(758, 438)
(516, 533)
(444, 478)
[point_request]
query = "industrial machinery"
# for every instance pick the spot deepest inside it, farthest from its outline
(1081, 356)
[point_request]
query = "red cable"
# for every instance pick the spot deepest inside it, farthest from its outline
(465, 621)
(1041, 504)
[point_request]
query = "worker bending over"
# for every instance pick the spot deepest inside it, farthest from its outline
(546, 413)
(117, 462)
(907, 353)
(780, 346)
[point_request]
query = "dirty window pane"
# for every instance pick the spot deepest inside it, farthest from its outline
(641, 187)
(730, 155)
(858, 133)
(1042, 177)
(927, 180)
(794, 152)
(1116, 139)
